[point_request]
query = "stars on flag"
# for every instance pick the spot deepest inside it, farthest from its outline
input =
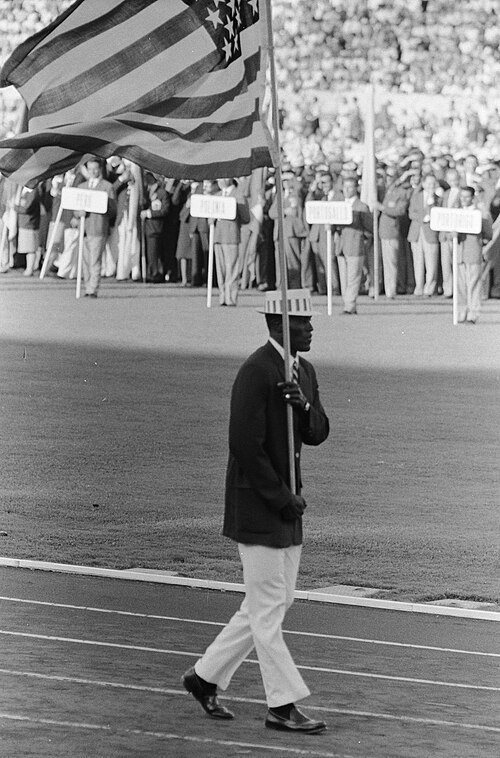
(225, 20)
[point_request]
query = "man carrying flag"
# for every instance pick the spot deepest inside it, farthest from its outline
(264, 516)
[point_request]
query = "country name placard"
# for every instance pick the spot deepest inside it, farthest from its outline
(91, 201)
(328, 212)
(213, 206)
(461, 220)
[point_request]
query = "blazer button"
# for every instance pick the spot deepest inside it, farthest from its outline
(297, 455)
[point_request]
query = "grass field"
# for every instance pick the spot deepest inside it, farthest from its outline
(114, 437)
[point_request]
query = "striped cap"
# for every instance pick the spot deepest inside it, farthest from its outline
(299, 303)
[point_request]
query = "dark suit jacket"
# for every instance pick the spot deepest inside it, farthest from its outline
(97, 224)
(417, 213)
(353, 237)
(227, 231)
(395, 207)
(257, 479)
(470, 246)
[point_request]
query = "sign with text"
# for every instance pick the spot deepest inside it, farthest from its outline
(91, 201)
(213, 206)
(328, 212)
(462, 220)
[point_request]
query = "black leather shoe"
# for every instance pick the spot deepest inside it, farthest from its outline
(207, 700)
(298, 722)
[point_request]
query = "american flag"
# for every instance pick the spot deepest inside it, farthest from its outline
(175, 86)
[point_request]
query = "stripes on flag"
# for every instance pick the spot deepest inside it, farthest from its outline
(174, 86)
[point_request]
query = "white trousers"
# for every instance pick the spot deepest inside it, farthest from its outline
(425, 265)
(350, 273)
(270, 575)
(228, 272)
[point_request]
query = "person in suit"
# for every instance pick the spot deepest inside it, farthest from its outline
(156, 203)
(28, 226)
(227, 237)
(252, 187)
(470, 263)
(295, 232)
(97, 227)
(323, 189)
(451, 199)
(424, 241)
(352, 246)
(392, 209)
(264, 517)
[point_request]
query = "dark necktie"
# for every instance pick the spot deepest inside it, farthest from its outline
(295, 371)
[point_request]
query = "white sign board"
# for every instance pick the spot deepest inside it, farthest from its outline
(462, 220)
(213, 206)
(328, 212)
(91, 201)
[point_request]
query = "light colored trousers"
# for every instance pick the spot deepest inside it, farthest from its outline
(350, 273)
(270, 575)
(425, 265)
(447, 266)
(390, 257)
(469, 291)
(68, 260)
(93, 248)
(228, 272)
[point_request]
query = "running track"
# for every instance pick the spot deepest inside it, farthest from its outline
(91, 667)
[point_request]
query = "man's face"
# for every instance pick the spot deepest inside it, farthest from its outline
(349, 188)
(429, 184)
(466, 198)
(453, 178)
(94, 169)
(301, 331)
(326, 183)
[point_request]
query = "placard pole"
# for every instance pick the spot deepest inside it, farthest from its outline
(48, 252)
(455, 278)
(80, 259)
(329, 268)
(210, 272)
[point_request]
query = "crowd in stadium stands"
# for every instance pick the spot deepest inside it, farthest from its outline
(437, 123)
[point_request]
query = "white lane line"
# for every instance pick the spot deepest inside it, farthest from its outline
(111, 728)
(189, 654)
(253, 701)
(219, 624)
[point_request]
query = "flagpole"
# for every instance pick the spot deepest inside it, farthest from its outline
(376, 245)
(281, 238)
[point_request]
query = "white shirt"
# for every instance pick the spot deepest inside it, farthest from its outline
(281, 351)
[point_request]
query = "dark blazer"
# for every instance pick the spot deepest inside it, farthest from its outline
(257, 479)
(353, 237)
(395, 208)
(97, 224)
(417, 213)
(228, 231)
(470, 246)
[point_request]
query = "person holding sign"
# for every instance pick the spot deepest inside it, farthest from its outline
(97, 226)
(352, 246)
(424, 240)
(227, 238)
(470, 263)
(264, 517)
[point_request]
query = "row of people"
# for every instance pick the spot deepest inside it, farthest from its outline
(149, 218)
